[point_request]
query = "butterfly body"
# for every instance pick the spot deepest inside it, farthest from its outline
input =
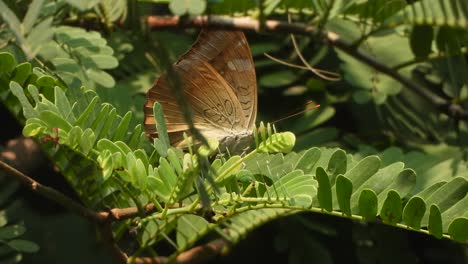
(217, 76)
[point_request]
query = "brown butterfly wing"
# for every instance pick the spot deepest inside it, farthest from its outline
(216, 110)
(218, 61)
(229, 53)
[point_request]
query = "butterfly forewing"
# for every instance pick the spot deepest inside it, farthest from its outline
(229, 53)
(218, 79)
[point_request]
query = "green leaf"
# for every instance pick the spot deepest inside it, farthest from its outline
(448, 195)
(87, 140)
(63, 105)
(167, 173)
(296, 186)
(230, 167)
(368, 204)
(34, 127)
(413, 212)
(278, 142)
(23, 246)
(421, 40)
(7, 62)
(161, 125)
(122, 129)
(53, 120)
(138, 172)
(363, 170)
(45, 81)
(188, 229)
(12, 231)
(21, 72)
(337, 164)
(458, 229)
(101, 77)
(13, 22)
(28, 110)
(100, 61)
(307, 161)
(87, 113)
(32, 14)
(277, 79)
(391, 209)
(435, 222)
(66, 65)
(324, 194)
(344, 189)
(191, 7)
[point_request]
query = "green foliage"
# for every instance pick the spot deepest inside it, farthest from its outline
(12, 245)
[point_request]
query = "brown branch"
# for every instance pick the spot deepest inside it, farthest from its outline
(328, 38)
(50, 193)
(105, 230)
(199, 254)
(119, 214)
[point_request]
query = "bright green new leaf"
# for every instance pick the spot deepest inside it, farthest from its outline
(278, 142)
(34, 127)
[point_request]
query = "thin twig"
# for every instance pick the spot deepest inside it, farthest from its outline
(51, 194)
(328, 38)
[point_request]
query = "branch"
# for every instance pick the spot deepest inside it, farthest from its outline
(326, 37)
(199, 254)
(50, 193)
(119, 214)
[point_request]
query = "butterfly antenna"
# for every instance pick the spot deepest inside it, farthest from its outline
(297, 113)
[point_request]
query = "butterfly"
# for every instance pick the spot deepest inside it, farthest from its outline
(217, 76)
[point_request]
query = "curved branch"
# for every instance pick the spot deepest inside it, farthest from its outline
(50, 193)
(199, 254)
(326, 37)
